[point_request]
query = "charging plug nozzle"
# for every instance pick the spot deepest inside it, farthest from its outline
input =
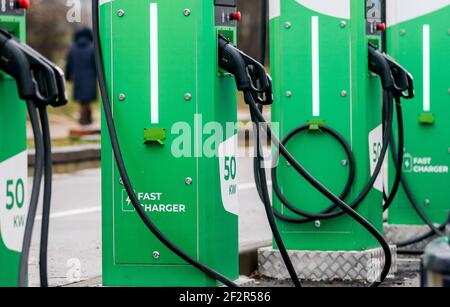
(37, 78)
(250, 75)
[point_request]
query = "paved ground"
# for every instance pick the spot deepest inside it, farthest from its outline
(75, 234)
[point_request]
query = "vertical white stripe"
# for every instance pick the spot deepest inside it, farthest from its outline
(315, 66)
(426, 68)
(154, 69)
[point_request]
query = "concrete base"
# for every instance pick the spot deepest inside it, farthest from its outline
(245, 282)
(401, 233)
(361, 266)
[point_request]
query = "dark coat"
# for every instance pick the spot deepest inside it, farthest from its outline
(81, 67)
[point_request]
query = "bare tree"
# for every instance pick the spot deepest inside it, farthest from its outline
(48, 28)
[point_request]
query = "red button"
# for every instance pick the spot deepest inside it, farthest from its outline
(381, 26)
(236, 16)
(23, 4)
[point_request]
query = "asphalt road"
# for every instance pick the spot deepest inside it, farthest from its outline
(75, 232)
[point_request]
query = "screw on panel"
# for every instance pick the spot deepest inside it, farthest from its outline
(188, 180)
(187, 96)
(156, 255)
(121, 181)
(342, 24)
(402, 32)
(344, 162)
(318, 224)
(287, 25)
(427, 202)
(120, 13)
(288, 94)
(344, 93)
(122, 97)
(187, 12)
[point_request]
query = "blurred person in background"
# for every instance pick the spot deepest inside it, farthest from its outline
(81, 71)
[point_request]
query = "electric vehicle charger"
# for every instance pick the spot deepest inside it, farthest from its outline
(121, 164)
(40, 83)
(394, 79)
(403, 82)
(400, 181)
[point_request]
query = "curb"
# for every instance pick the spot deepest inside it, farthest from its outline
(248, 264)
(71, 154)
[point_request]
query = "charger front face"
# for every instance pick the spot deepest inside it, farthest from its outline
(319, 56)
(171, 107)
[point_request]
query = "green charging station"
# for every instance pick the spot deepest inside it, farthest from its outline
(13, 161)
(319, 56)
(419, 36)
(167, 94)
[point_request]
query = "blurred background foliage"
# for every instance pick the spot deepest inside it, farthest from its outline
(48, 29)
(50, 32)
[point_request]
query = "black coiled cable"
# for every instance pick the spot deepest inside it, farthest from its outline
(263, 191)
(46, 206)
(321, 188)
(39, 165)
(330, 212)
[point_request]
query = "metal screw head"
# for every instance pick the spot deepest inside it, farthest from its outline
(448, 91)
(288, 94)
(344, 162)
(156, 255)
(402, 32)
(448, 31)
(188, 180)
(121, 181)
(187, 96)
(120, 13)
(344, 93)
(427, 202)
(287, 25)
(318, 224)
(343, 24)
(187, 12)
(122, 97)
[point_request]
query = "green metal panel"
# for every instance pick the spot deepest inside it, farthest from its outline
(13, 166)
(427, 140)
(350, 102)
(191, 94)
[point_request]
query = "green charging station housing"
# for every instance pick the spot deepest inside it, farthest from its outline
(319, 64)
(13, 162)
(419, 37)
(175, 114)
